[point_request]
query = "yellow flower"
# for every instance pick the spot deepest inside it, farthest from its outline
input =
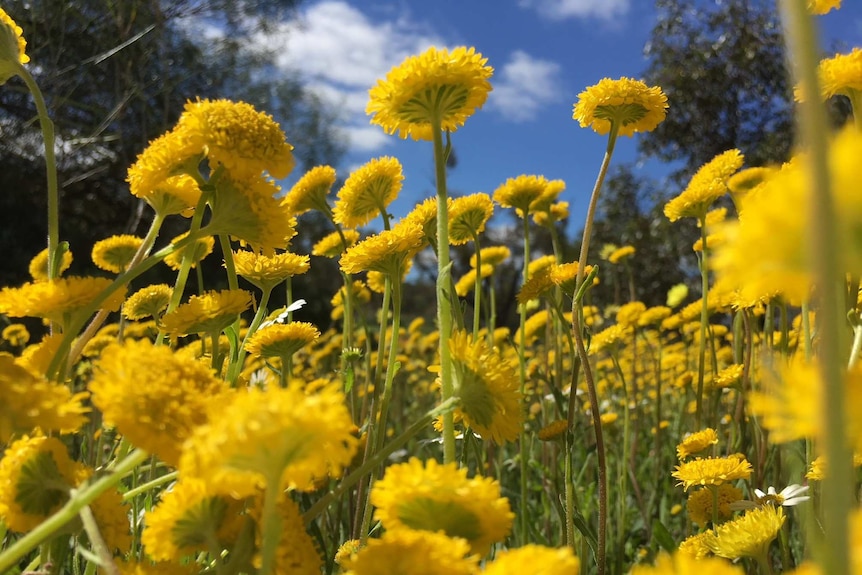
(534, 324)
(712, 471)
(698, 546)
(488, 387)
(39, 265)
(415, 552)
(235, 135)
(681, 563)
(311, 191)
(696, 442)
(630, 104)
(747, 180)
(540, 264)
(654, 316)
(114, 254)
(467, 282)
(424, 215)
(152, 395)
(149, 301)
(823, 6)
(112, 517)
(620, 254)
(266, 272)
(367, 192)
(188, 519)
(30, 402)
(707, 185)
(377, 281)
(467, 217)
(207, 313)
(819, 468)
(493, 256)
(386, 252)
(36, 474)
(359, 292)
(434, 497)
(277, 438)
(676, 295)
(57, 299)
(535, 559)
(296, 553)
(556, 212)
(12, 47)
(335, 244)
(196, 250)
(347, 551)
(161, 568)
(629, 314)
(171, 154)
(609, 338)
(16, 334)
(174, 195)
(437, 87)
(524, 193)
(699, 504)
(842, 75)
(281, 340)
(749, 535)
(728, 376)
(553, 430)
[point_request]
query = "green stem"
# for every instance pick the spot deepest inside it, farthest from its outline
(97, 541)
(477, 290)
(523, 516)
(235, 367)
(271, 525)
(837, 490)
(704, 318)
(166, 478)
(78, 500)
(391, 365)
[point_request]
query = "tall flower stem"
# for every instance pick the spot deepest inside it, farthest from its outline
(838, 485)
(704, 318)
(577, 311)
(477, 290)
(444, 274)
(523, 516)
(271, 524)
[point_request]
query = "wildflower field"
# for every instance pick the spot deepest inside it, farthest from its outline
(153, 431)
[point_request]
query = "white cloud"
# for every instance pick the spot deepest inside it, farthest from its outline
(564, 9)
(523, 85)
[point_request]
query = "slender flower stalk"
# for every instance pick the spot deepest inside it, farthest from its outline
(704, 320)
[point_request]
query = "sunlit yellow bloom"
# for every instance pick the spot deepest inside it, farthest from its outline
(494, 256)
(534, 324)
(535, 559)
(728, 376)
(36, 474)
(196, 250)
(823, 6)
(347, 551)
(522, 193)
(467, 217)
(676, 295)
(556, 212)
(620, 254)
(311, 191)
(281, 340)
(540, 264)
(433, 497)
(630, 104)
(12, 47)
(149, 301)
(386, 252)
(335, 244)
(171, 154)
(819, 468)
(367, 192)
(415, 552)
(174, 195)
(278, 438)
(609, 338)
(188, 519)
(748, 535)
(467, 282)
(707, 185)
(424, 215)
(553, 430)
(57, 299)
(712, 471)
(681, 563)
(842, 75)
(698, 546)
(207, 313)
(266, 272)
(160, 568)
(628, 314)
(654, 316)
(235, 135)
(377, 280)
(437, 87)
(30, 402)
(114, 254)
(488, 387)
(699, 504)
(694, 443)
(39, 265)
(16, 334)
(359, 292)
(745, 181)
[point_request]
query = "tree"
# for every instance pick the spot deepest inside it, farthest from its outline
(722, 66)
(115, 76)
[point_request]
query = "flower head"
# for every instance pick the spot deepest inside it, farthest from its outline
(335, 244)
(535, 559)
(57, 299)
(114, 254)
(12, 47)
(266, 272)
(682, 563)
(433, 497)
(149, 301)
(748, 535)
(630, 104)
(207, 313)
(16, 334)
(620, 254)
(281, 340)
(311, 191)
(196, 251)
(38, 267)
(414, 552)
(694, 443)
(437, 88)
(386, 252)
(172, 154)
(368, 191)
(493, 256)
(524, 193)
(712, 471)
(823, 6)
(699, 504)
(707, 185)
(467, 217)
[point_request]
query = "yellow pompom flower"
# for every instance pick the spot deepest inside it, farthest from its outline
(207, 313)
(296, 553)
(36, 474)
(415, 552)
(114, 254)
(281, 340)
(171, 154)
(523, 193)
(620, 254)
(266, 272)
(112, 517)
(16, 334)
(188, 519)
(609, 338)
(699, 503)
(196, 250)
(556, 212)
(424, 215)
(694, 443)
(39, 265)
(367, 192)
(30, 402)
(707, 185)
(467, 282)
(437, 88)
(467, 217)
(152, 395)
(12, 47)
(712, 471)
(386, 252)
(311, 191)
(820, 7)
(629, 104)
(493, 256)
(235, 135)
(697, 546)
(842, 75)
(149, 301)
(57, 299)
(629, 314)
(748, 535)
(747, 180)
(278, 438)
(681, 563)
(160, 568)
(653, 316)
(534, 559)
(334, 244)
(488, 387)
(174, 195)
(434, 497)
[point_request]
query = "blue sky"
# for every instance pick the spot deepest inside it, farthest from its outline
(544, 53)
